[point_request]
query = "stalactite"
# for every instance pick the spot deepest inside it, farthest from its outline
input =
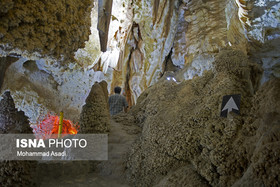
(243, 12)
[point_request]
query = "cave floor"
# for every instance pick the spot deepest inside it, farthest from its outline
(93, 173)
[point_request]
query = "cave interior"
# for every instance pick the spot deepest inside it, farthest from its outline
(201, 80)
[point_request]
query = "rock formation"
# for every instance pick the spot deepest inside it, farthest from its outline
(182, 127)
(104, 18)
(210, 47)
(260, 144)
(13, 122)
(144, 37)
(52, 28)
(95, 116)
(5, 62)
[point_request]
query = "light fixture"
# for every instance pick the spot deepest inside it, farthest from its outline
(171, 78)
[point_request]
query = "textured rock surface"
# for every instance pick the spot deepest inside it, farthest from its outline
(185, 33)
(104, 18)
(12, 121)
(95, 116)
(212, 36)
(205, 27)
(192, 33)
(264, 35)
(181, 125)
(262, 133)
(53, 28)
(182, 129)
(147, 38)
(39, 87)
(5, 62)
(149, 43)
(184, 176)
(91, 52)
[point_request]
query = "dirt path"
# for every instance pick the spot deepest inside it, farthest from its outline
(106, 173)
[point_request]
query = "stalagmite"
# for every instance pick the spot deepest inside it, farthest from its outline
(15, 122)
(95, 113)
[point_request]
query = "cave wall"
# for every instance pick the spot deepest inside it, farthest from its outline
(104, 18)
(53, 86)
(44, 28)
(264, 36)
(5, 62)
(13, 121)
(182, 129)
(145, 39)
(190, 34)
(187, 34)
(39, 87)
(150, 41)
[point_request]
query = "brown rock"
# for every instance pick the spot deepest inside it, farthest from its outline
(95, 117)
(104, 17)
(5, 62)
(14, 173)
(11, 120)
(48, 27)
(181, 125)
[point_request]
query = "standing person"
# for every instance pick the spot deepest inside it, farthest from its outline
(117, 102)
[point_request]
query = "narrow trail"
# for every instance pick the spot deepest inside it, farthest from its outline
(105, 173)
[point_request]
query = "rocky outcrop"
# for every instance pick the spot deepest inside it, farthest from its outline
(205, 27)
(148, 43)
(5, 62)
(188, 34)
(104, 18)
(264, 36)
(14, 122)
(182, 126)
(147, 38)
(261, 143)
(95, 116)
(197, 31)
(11, 120)
(39, 87)
(49, 28)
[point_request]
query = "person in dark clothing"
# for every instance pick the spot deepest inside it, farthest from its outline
(117, 102)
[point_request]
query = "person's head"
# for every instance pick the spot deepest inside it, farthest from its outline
(117, 90)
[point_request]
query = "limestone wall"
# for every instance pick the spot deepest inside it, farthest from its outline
(188, 34)
(145, 39)
(50, 28)
(192, 33)
(182, 130)
(264, 36)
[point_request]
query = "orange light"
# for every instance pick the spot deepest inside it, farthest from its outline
(49, 126)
